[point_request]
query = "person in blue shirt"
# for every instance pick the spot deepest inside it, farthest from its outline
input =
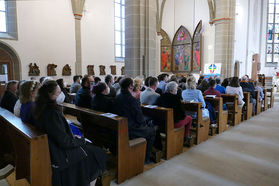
(220, 88)
(192, 94)
(163, 79)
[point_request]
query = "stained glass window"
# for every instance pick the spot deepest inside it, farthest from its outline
(119, 29)
(272, 50)
(3, 16)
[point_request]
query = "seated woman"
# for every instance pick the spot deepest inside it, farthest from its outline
(28, 92)
(192, 94)
(60, 82)
(203, 86)
(235, 89)
(258, 87)
(100, 101)
(170, 99)
(137, 88)
(73, 160)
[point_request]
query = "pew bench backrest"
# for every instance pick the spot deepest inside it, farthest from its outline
(32, 157)
(174, 137)
(112, 131)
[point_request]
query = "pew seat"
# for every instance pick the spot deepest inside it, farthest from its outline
(248, 107)
(112, 133)
(222, 115)
(202, 124)
(32, 157)
(174, 138)
(234, 110)
(265, 101)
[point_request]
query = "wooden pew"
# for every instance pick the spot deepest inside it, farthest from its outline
(247, 112)
(32, 157)
(265, 100)
(174, 137)
(270, 97)
(258, 103)
(130, 154)
(234, 109)
(202, 124)
(222, 115)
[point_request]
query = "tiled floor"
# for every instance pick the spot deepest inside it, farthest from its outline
(247, 154)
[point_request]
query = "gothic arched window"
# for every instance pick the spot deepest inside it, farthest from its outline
(182, 51)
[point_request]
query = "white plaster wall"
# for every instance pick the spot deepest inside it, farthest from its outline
(97, 32)
(250, 34)
(241, 28)
(46, 34)
(189, 13)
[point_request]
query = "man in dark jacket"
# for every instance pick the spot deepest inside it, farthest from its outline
(128, 106)
(83, 97)
(9, 97)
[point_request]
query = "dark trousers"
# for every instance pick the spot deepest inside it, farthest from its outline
(146, 132)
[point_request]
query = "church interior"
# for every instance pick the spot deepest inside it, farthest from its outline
(139, 92)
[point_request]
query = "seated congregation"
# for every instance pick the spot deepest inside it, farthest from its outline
(130, 122)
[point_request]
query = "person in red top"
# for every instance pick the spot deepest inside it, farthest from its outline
(211, 90)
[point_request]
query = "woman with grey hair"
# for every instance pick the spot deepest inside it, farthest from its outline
(192, 94)
(170, 99)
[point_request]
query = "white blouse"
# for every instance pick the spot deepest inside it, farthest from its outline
(17, 108)
(236, 91)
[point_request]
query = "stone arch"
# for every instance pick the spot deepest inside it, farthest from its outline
(15, 59)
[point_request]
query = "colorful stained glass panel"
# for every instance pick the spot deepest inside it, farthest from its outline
(270, 28)
(276, 38)
(269, 49)
(182, 57)
(276, 48)
(269, 38)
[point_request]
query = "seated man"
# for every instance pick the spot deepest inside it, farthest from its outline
(128, 106)
(83, 97)
(219, 87)
(211, 90)
(149, 96)
(76, 85)
(9, 97)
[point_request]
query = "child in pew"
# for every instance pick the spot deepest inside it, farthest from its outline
(73, 160)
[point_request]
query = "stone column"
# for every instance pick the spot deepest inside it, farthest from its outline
(224, 36)
(77, 6)
(140, 38)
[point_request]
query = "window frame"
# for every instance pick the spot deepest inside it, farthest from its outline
(122, 32)
(6, 13)
(11, 21)
(273, 43)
